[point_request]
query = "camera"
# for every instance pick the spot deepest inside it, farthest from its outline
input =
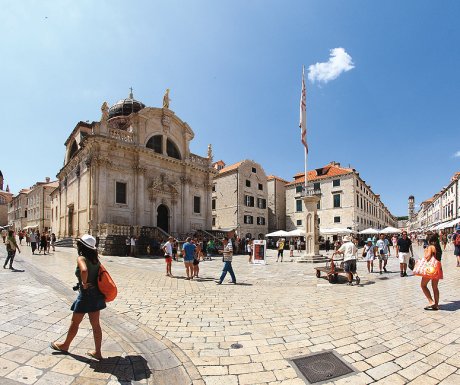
(76, 287)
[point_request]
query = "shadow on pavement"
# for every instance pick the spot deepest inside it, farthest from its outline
(451, 306)
(17, 270)
(126, 369)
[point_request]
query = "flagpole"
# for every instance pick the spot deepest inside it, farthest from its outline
(305, 148)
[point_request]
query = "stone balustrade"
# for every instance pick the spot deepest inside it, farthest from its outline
(121, 135)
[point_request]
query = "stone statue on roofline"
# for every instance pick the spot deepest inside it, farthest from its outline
(166, 99)
(105, 112)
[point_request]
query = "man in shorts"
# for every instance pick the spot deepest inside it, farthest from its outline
(383, 252)
(189, 255)
(280, 247)
(349, 252)
(167, 248)
(403, 247)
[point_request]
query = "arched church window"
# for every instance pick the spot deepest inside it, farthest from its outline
(73, 149)
(172, 150)
(2, 200)
(156, 144)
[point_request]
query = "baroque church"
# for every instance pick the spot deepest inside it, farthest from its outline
(132, 173)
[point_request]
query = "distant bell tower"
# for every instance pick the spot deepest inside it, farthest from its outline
(411, 207)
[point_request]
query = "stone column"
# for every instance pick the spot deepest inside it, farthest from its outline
(311, 230)
(140, 207)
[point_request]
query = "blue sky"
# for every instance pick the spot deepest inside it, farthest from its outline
(234, 70)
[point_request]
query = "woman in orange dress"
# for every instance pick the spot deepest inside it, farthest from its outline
(432, 251)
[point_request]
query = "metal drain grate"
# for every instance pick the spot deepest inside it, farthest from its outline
(320, 367)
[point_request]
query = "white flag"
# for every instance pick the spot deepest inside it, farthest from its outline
(303, 112)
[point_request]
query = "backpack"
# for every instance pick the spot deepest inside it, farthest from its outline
(457, 240)
(106, 284)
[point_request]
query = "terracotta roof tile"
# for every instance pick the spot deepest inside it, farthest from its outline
(328, 172)
(230, 168)
(270, 177)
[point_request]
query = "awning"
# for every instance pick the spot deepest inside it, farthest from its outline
(296, 233)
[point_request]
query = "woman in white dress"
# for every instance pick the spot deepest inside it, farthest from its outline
(369, 254)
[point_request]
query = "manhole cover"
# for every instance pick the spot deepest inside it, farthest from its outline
(236, 346)
(319, 367)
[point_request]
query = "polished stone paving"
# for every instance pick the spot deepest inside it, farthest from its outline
(163, 330)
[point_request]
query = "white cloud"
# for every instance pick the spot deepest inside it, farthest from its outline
(457, 154)
(339, 61)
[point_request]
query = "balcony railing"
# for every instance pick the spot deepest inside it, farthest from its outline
(309, 192)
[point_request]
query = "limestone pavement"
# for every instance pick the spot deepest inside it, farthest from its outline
(182, 331)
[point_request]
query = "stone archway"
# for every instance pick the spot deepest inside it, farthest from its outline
(163, 217)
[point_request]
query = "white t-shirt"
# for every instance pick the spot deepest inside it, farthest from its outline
(168, 248)
(382, 245)
(349, 251)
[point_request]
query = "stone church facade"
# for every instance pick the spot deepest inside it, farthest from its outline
(132, 173)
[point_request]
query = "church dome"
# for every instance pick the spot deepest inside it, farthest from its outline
(125, 107)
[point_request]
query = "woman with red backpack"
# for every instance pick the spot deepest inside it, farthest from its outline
(90, 299)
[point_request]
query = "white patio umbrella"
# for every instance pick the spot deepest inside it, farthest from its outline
(296, 233)
(370, 230)
(338, 230)
(389, 230)
(279, 233)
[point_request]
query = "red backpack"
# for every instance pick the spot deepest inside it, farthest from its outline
(106, 284)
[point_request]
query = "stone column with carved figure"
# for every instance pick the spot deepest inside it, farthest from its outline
(311, 230)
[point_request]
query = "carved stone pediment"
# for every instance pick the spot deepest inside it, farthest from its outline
(161, 186)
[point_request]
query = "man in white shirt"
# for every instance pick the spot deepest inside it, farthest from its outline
(384, 252)
(349, 252)
(168, 250)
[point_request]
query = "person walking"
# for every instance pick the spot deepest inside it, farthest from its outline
(27, 235)
(432, 251)
(53, 241)
(349, 252)
(403, 246)
(227, 256)
(369, 254)
(456, 242)
(43, 243)
(21, 236)
(168, 253)
(383, 252)
(189, 250)
(291, 247)
(299, 245)
(128, 246)
(11, 247)
(33, 241)
(280, 247)
(249, 250)
(133, 246)
(89, 301)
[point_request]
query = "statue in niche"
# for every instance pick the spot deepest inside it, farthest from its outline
(166, 99)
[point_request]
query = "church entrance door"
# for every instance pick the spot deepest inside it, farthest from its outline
(163, 218)
(70, 221)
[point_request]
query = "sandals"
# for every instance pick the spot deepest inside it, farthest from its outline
(431, 308)
(57, 348)
(93, 355)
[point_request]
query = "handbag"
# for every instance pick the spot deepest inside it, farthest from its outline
(411, 263)
(428, 269)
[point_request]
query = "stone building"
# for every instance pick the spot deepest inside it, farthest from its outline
(39, 206)
(5, 199)
(239, 199)
(17, 213)
(276, 191)
(441, 211)
(346, 201)
(132, 173)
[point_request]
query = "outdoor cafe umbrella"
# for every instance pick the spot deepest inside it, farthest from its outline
(296, 233)
(370, 230)
(279, 233)
(338, 230)
(389, 230)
